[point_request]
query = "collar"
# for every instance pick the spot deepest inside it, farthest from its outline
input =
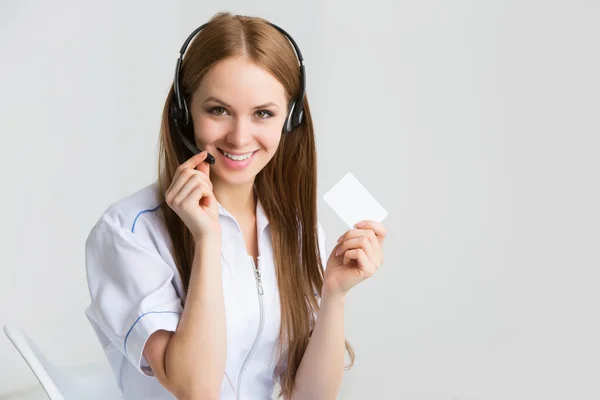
(261, 218)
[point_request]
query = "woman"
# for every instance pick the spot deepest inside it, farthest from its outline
(207, 284)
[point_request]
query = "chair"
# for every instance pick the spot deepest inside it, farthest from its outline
(93, 381)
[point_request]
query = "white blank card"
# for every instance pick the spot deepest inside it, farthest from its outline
(352, 202)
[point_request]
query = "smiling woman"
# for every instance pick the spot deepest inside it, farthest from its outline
(214, 280)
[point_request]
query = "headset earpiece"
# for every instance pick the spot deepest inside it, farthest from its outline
(288, 125)
(294, 118)
(180, 115)
(297, 116)
(180, 118)
(173, 115)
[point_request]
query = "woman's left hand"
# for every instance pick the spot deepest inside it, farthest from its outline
(356, 257)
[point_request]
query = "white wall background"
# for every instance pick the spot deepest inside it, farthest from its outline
(82, 86)
(474, 123)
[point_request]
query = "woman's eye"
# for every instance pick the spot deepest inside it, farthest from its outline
(263, 114)
(218, 110)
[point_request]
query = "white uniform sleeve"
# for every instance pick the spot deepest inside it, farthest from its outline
(131, 290)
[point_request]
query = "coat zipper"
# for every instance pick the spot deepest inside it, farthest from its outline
(260, 291)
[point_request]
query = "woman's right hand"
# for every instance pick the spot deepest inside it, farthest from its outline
(190, 195)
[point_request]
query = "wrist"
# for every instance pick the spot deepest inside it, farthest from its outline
(330, 294)
(208, 242)
(207, 246)
(207, 255)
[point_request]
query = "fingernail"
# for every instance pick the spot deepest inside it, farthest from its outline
(340, 238)
(359, 225)
(337, 252)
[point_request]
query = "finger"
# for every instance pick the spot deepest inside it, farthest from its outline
(205, 178)
(191, 163)
(199, 192)
(195, 160)
(377, 227)
(352, 233)
(334, 250)
(187, 165)
(204, 167)
(193, 182)
(366, 244)
(201, 165)
(377, 255)
(176, 185)
(376, 247)
(183, 179)
(363, 262)
(370, 234)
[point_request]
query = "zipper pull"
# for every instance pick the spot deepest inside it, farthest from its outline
(258, 278)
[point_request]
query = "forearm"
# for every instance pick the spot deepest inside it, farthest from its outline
(197, 350)
(320, 373)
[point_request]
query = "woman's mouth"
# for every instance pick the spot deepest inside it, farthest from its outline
(237, 156)
(236, 161)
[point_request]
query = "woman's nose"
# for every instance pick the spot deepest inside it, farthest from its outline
(240, 133)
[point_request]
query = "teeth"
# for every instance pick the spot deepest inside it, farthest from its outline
(236, 158)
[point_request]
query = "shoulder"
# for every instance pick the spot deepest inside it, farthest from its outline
(138, 214)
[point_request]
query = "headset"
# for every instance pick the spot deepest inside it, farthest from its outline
(180, 116)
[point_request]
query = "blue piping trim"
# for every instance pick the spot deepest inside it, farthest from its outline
(136, 321)
(140, 213)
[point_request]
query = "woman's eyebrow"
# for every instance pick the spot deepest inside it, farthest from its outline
(211, 98)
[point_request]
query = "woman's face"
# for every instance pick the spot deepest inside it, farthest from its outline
(239, 108)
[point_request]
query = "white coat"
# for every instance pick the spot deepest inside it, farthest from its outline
(135, 290)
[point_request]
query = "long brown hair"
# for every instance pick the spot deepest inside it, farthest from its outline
(286, 186)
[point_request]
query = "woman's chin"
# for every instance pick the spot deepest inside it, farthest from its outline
(233, 177)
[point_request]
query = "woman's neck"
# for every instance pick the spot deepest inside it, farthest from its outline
(239, 200)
